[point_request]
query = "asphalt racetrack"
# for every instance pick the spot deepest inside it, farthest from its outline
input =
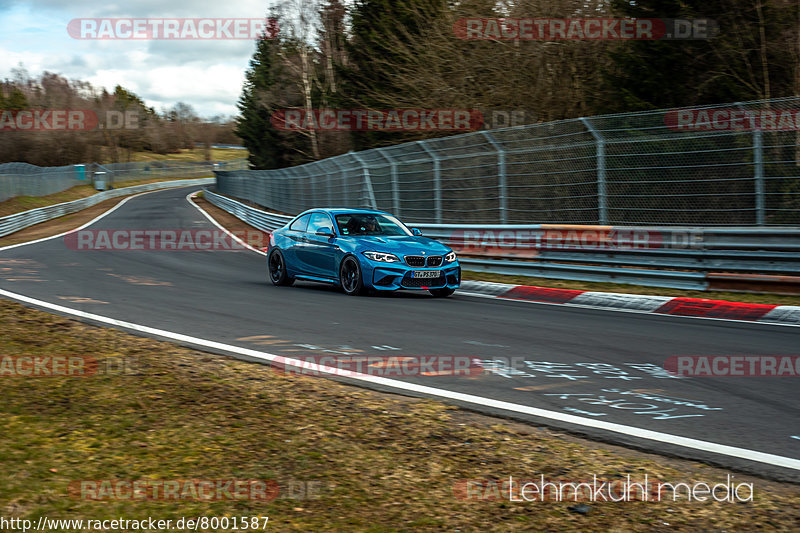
(592, 372)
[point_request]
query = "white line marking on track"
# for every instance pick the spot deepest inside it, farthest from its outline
(705, 446)
(217, 224)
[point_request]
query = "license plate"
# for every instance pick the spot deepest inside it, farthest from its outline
(418, 274)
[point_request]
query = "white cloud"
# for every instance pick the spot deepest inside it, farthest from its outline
(207, 75)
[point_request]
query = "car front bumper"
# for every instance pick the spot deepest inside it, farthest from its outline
(395, 276)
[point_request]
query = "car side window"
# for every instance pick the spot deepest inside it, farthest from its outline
(318, 221)
(301, 223)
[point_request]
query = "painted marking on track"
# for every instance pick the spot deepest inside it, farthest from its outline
(139, 280)
(478, 343)
(630, 431)
(582, 412)
(795, 437)
(551, 385)
(81, 300)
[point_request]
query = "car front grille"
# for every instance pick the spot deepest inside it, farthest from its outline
(420, 260)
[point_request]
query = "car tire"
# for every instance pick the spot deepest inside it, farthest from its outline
(442, 293)
(276, 267)
(350, 277)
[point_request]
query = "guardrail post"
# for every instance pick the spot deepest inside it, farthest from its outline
(502, 184)
(395, 183)
(367, 180)
(602, 205)
(437, 181)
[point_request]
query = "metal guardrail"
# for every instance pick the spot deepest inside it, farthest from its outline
(13, 223)
(255, 217)
(595, 253)
(651, 278)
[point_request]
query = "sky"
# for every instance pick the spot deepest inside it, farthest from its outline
(206, 74)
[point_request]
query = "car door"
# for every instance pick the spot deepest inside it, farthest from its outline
(296, 236)
(318, 255)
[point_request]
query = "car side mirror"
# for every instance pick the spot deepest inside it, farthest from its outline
(416, 232)
(325, 232)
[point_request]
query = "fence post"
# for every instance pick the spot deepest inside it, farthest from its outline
(313, 177)
(437, 180)
(291, 190)
(502, 185)
(395, 183)
(758, 174)
(758, 169)
(602, 205)
(345, 198)
(367, 180)
(329, 187)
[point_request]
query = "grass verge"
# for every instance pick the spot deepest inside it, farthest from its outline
(377, 462)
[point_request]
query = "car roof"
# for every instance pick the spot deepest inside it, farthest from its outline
(344, 211)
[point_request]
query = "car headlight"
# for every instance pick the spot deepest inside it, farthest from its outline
(382, 257)
(450, 257)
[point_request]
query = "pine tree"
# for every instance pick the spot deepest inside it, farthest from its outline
(381, 31)
(256, 107)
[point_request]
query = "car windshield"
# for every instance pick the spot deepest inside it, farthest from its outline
(370, 224)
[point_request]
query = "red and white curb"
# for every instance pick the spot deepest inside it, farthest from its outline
(785, 315)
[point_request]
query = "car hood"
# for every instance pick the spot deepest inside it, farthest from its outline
(402, 245)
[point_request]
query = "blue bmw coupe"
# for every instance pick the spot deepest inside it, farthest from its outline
(360, 250)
